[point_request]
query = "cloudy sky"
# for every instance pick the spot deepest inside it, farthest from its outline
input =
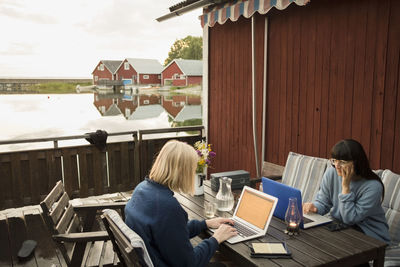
(55, 38)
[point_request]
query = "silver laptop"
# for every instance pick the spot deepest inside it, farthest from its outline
(252, 215)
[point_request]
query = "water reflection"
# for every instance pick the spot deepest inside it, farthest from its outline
(39, 115)
(182, 110)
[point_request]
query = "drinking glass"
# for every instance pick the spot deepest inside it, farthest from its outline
(210, 208)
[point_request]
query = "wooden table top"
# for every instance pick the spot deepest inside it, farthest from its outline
(312, 247)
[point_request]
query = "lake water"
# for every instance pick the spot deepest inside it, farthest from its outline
(40, 115)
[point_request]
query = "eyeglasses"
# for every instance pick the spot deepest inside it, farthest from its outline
(336, 162)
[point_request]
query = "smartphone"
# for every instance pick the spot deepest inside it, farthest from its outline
(336, 226)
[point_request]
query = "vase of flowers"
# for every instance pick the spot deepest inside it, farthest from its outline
(205, 154)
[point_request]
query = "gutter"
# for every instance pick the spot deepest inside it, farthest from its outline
(188, 8)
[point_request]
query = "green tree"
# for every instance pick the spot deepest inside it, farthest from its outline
(190, 47)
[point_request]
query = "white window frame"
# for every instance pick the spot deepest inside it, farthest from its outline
(127, 112)
(101, 67)
(146, 77)
(126, 66)
(96, 78)
(146, 102)
(182, 76)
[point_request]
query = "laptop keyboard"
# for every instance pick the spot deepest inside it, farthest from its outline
(306, 220)
(243, 230)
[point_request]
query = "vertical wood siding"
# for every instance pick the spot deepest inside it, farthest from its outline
(333, 73)
(230, 107)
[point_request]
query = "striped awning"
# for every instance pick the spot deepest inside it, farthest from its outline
(233, 10)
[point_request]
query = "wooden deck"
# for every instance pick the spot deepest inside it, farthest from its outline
(17, 225)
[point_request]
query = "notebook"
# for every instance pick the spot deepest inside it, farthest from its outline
(252, 215)
(283, 193)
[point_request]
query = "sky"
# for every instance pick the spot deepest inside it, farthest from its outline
(54, 38)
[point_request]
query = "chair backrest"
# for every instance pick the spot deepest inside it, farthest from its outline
(60, 217)
(58, 213)
(391, 204)
(304, 173)
(129, 246)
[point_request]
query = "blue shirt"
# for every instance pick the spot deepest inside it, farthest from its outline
(361, 207)
(154, 213)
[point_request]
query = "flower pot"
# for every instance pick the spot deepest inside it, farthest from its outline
(198, 184)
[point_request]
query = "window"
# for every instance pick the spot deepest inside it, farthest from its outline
(146, 77)
(126, 66)
(146, 102)
(159, 76)
(182, 77)
(96, 78)
(101, 67)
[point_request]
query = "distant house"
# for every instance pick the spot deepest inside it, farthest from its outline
(183, 72)
(174, 104)
(140, 71)
(106, 70)
(189, 112)
(147, 112)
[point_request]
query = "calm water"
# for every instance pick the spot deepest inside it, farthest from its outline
(38, 116)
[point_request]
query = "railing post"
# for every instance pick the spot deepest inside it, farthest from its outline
(136, 159)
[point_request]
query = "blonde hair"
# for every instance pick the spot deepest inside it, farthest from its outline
(175, 167)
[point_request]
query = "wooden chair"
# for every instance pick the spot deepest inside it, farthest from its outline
(75, 241)
(128, 245)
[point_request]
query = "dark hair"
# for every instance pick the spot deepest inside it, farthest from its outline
(351, 150)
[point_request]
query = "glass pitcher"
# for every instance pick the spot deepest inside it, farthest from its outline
(224, 196)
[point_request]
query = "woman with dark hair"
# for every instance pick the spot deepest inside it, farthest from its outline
(352, 192)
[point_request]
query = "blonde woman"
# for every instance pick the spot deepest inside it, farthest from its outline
(154, 213)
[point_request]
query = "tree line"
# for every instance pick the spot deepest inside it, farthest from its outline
(190, 47)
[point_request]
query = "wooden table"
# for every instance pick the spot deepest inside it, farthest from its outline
(312, 247)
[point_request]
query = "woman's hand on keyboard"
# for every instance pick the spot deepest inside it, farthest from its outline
(224, 232)
(309, 207)
(216, 222)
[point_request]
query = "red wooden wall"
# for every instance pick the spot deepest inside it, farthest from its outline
(122, 73)
(229, 103)
(167, 73)
(194, 80)
(153, 79)
(101, 74)
(333, 73)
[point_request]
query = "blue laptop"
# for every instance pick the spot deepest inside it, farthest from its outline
(283, 193)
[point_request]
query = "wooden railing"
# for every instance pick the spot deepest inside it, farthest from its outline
(26, 177)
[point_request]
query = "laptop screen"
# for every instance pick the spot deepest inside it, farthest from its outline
(254, 208)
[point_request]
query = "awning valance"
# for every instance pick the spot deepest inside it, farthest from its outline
(233, 10)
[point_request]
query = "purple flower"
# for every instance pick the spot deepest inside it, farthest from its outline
(208, 161)
(198, 152)
(212, 154)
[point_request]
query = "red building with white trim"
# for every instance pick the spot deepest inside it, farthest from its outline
(183, 72)
(140, 71)
(106, 70)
